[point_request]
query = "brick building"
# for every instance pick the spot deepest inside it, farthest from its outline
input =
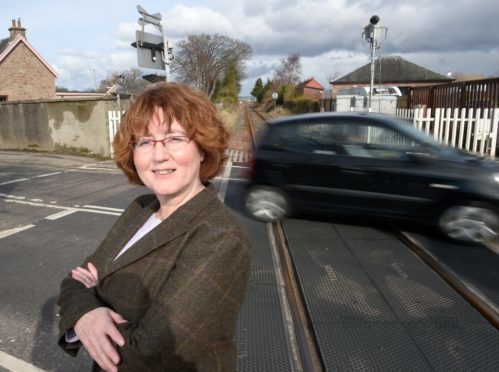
(390, 71)
(24, 74)
(311, 89)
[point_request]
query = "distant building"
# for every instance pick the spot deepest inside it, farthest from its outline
(24, 73)
(311, 89)
(389, 71)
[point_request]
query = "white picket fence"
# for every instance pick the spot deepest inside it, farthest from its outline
(473, 130)
(114, 119)
(467, 129)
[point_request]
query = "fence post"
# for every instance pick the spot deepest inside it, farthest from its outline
(476, 130)
(469, 123)
(455, 119)
(415, 118)
(436, 126)
(494, 123)
(484, 131)
(462, 128)
(114, 118)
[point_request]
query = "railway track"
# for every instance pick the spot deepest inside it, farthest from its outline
(306, 343)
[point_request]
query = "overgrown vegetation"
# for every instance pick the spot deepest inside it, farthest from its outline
(284, 82)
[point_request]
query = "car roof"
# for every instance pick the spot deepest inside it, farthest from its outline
(362, 116)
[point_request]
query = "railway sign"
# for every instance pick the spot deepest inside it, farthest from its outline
(149, 50)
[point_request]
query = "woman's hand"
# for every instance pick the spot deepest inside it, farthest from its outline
(96, 329)
(88, 277)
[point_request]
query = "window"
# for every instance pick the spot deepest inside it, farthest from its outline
(374, 141)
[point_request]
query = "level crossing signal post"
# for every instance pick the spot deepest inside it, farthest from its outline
(370, 33)
(153, 51)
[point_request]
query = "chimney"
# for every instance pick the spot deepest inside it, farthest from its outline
(16, 28)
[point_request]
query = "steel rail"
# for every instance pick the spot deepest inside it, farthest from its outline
(471, 294)
(306, 342)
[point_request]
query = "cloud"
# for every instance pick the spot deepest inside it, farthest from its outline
(85, 70)
(444, 35)
(181, 21)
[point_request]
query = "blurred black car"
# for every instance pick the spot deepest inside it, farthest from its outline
(371, 165)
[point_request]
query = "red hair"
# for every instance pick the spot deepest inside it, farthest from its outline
(193, 111)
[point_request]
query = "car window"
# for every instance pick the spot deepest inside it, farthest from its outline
(303, 137)
(376, 141)
(341, 138)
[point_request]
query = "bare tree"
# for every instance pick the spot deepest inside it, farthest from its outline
(289, 71)
(330, 76)
(203, 60)
(130, 80)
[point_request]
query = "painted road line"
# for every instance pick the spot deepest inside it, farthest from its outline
(5, 233)
(36, 204)
(225, 181)
(97, 211)
(61, 214)
(13, 196)
(47, 175)
(27, 179)
(97, 166)
(103, 208)
(14, 181)
(18, 365)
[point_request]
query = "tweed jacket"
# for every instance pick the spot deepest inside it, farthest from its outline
(180, 287)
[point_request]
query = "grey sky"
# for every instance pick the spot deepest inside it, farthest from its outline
(84, 40)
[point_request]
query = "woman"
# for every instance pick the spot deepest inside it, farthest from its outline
(163, 290)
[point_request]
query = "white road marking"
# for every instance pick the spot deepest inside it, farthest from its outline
(5, 233)
(15, 364)
(30, 178)
(97, 211)
(225, 181)
(13, 196)
(47, 175)
(14, 181)
(61, 214)
(97, 167)
(35, 204)
(103, 208)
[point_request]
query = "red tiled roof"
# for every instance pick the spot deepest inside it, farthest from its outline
(312, 83)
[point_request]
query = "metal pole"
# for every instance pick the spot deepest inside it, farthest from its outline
(373, 63)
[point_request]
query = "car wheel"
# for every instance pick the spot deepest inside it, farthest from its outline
(266, 203)
(469, 223)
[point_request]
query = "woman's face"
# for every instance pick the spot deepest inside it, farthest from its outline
(172, 174)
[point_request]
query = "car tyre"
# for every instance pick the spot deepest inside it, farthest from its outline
(469, 223)
(267, 204)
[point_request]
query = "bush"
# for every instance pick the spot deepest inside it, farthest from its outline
(300, 105)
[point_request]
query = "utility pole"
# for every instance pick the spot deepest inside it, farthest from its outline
(370, 34)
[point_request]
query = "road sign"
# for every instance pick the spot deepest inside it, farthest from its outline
(149, 49)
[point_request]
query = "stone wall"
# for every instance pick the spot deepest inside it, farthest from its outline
(57, 125)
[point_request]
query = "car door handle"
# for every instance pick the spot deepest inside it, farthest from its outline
(352, 170)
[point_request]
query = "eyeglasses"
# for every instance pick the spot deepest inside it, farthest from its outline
(172, 143)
